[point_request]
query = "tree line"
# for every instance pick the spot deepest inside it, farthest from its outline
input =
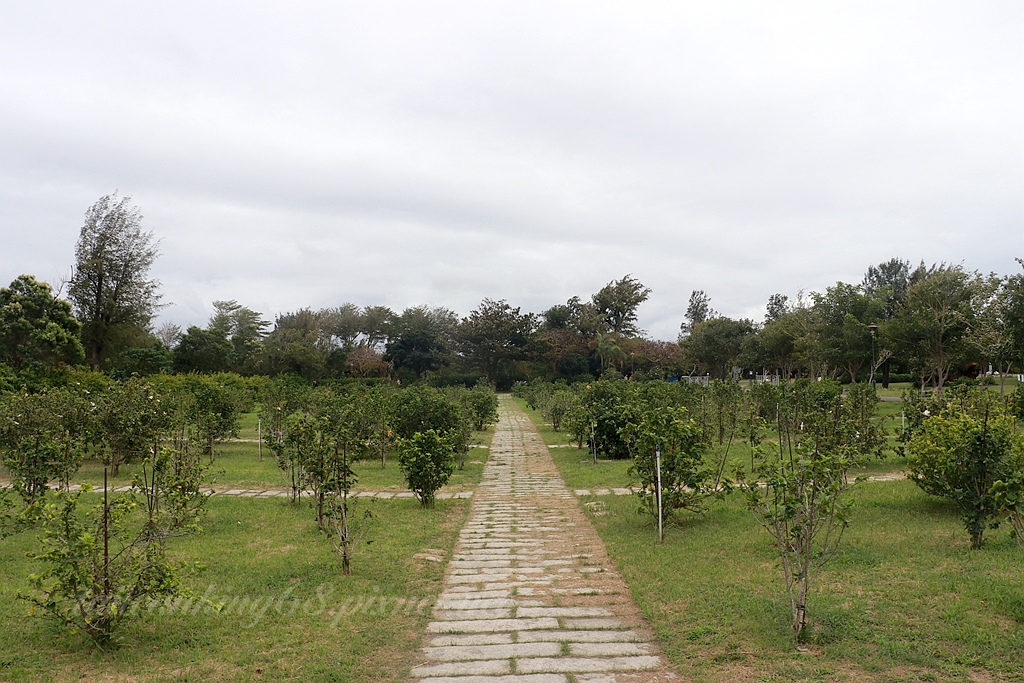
(925, 323)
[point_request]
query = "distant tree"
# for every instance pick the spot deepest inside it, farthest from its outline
(609, 351)
(140, 360)
(343, 323)
(773, 347)
(617, 303)
(1013, 313)
(421, 340)
(840, 319)
(715, 345)
(37, 328)
(890, 281)
(376, 325)
(111, 289)
(169, 335)
(205, 351)
(297, 345)
(697, 311)
(932, 328)
(245, 328)
(494, 336)
(418, 351)
(778, 306)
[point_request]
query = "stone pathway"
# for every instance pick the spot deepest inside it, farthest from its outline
(530, 595)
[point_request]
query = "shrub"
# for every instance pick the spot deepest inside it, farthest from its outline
(686, 481)
(427, 460)
(962, 452)
(102, 565)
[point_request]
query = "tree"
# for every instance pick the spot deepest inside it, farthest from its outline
(421, 339)
(800, 477)
(932, 328)
(343, 323)
(245, 328)
(493, 337)
(714, 345)
(617, 302)
(962, 452)
(376, 325)
(697, 311)
(297, 345)
(777, 306)
(839, 327)
(37, 328)
(205, 351)
(889, 281)
(43, 438)
(363, 361)
(418, 351)
(110, 287)
(103, 563)
(686, 480)
(132, 420)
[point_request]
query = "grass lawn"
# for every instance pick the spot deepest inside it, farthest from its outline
(289, 613)
(905, 599)
(238, 465)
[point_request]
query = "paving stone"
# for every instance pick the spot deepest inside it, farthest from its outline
(477, 668)
(481, 603)
(480, 625)
(583, 664)
(468, 652)
(471, 639)
(591, 623)
(529, 550)
(608, 649)
(464, 614)
(580, 636)
(513, 678)
(564, 612)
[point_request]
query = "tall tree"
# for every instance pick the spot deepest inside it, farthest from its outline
(297, 345)
(697, 311)
(888, 281)
(420, 340)
(617, 302)
(376, 325)
(36, 328)
(777, 306)
(205, 351)
(933, 326)
(494, 336)
(715, 345)
(245, 328)
(840, 319)
(111, 289)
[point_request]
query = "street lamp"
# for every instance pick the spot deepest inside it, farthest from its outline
(873, 329)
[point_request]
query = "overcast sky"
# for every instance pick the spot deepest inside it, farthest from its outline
(402, 153)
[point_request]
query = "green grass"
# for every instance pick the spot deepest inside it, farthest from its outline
(320, 625)
(238, 465)
(905, 599)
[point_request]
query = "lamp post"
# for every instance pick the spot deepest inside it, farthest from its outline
(873, 329)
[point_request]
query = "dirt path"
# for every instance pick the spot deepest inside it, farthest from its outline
(530, 595)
